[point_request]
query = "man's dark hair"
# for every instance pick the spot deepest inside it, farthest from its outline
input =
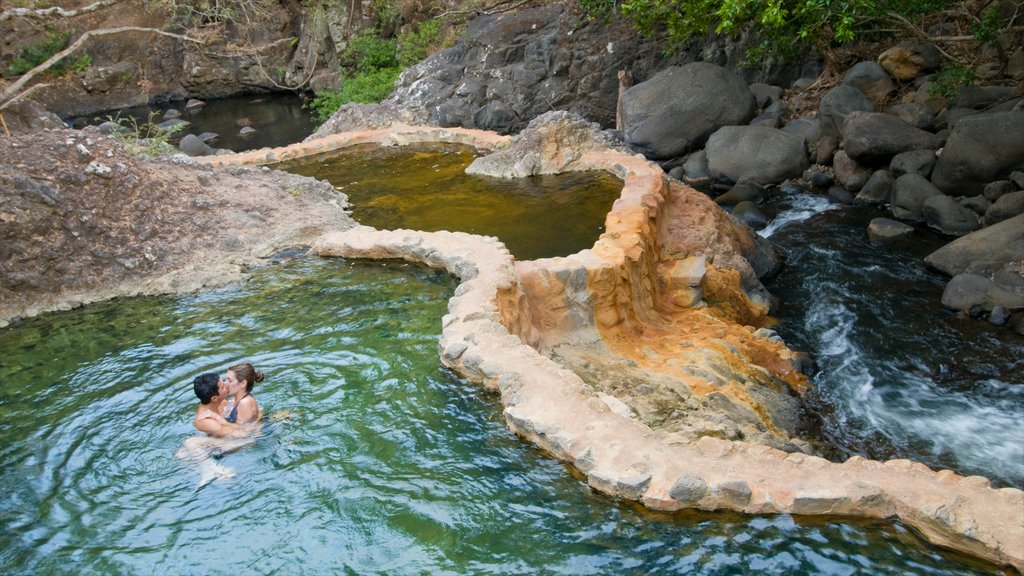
(205, 386)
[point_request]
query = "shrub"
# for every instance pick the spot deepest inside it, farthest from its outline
(414, 45)
(33, 55)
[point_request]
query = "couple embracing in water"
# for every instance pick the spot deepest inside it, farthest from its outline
(216, 415)
(228, 424)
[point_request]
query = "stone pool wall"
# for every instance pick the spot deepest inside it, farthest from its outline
(621, 288)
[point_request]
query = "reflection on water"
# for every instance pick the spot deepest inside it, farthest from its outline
(387, 465)
(898, 376)
(277, 120)
(426, 188)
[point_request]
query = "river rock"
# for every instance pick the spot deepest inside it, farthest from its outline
(909, 60)
(171, 114)
(849, 173)
(839, 103)
(886, 231)
(819, 176)
(1006, 206)
(773, 116)
(909, 193)
(751, 215)
(745, 191)
(871, 79)
(193, 146)
(948, 216)
(173, 125)
(913, 162)
(877, 190)
(981, 148)
(993, 190)
(977, 204)
(810, 130)
(194, 104)
(695, 168)
(982, 97)
(984, 252)
(952, 115)
(873, 137)
(765, 94)
(825, 149)
(681, 106)
(972, 293)
(840, 195)
(914, 114)
(247, 131)
(758, 153)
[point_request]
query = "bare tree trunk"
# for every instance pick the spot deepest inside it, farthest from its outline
(54, 11)
(625, 82)
(9, 93)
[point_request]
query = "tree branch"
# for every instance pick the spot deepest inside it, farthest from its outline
(54, 11)
(8, 93)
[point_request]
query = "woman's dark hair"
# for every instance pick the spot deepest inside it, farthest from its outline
(246, 372)
(205, 387)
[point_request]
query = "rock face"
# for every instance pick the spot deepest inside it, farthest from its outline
(875, 138)
(981, 148)
(756, 153)
(81, 221)
(679, 108)
(551, 57)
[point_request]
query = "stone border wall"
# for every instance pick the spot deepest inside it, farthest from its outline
(555, 409)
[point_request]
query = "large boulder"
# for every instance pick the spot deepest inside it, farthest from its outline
(839, 103)
(915, 114)
(1006, 206)
(681, 106)
(873, 137)
(909, 193)
(981, 148)
(914, 162)
(983, 252)
(877, 190)
(757, 153)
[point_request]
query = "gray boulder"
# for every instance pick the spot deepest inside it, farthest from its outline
(914, 114)
(849, 173)
(977, 204)
(757, 153)
(913, 162)
(743, 192)
(983, 97)
(877, 190)
(194, 146)
(948, 216)
(695, 168)
(972, 293)
(908, 61)
(985, 252)
(751, 214)
(495, 116)
(807, 128)
(981, 148)
(909, 193)
(837, 104)
(993, 190)
(765, 94)
(1006, 206)
(873, 137)
(773, 116)
(681, 106)
(871, 79)
(886, 231)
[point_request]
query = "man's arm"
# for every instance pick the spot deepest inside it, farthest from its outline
(216, 427)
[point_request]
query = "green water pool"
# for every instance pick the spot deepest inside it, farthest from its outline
(425, 187)
(387, 463)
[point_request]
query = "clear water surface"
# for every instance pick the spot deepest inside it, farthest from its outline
(387, 464)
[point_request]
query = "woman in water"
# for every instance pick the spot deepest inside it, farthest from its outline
(239, 381)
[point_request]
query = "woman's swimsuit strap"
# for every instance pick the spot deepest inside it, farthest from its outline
(233, 416)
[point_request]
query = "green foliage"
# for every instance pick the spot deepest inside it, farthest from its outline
(33, 55)
(146, 138)
(414, 45)
(784, 27)
(367, 52)
(362, 88)
(599, 9)
(986, 30)
(81, 64)
(950, 79)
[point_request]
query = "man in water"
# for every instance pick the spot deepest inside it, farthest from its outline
(210, 390)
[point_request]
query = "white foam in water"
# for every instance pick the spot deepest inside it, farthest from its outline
(981, 430)
(802, 207)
